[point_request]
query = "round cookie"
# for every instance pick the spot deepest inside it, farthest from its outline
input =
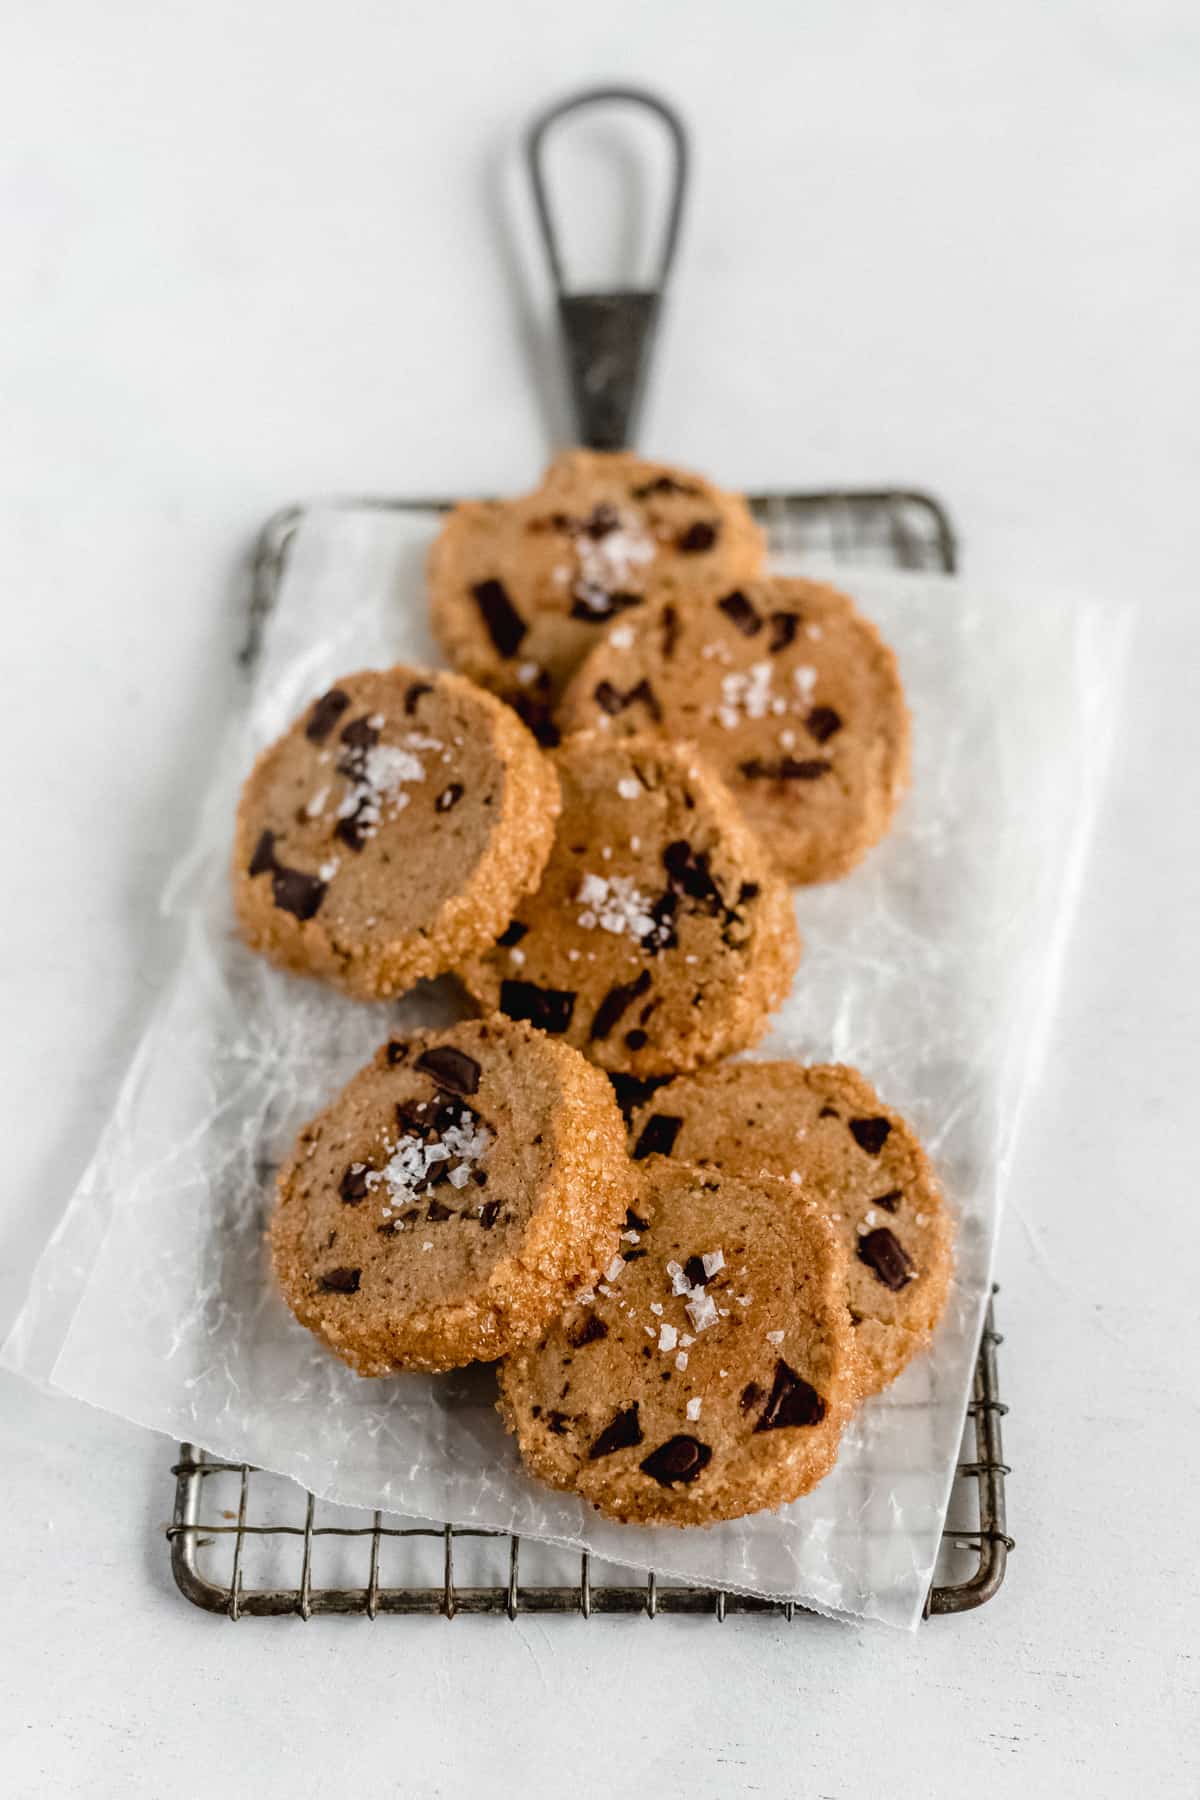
(391, 831)
(711, 1372)
(825, 1130)
(445, 1206)
(787, 690)
(521, 589)
(661, 935)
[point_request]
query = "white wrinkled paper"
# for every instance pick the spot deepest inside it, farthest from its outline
(932, 968)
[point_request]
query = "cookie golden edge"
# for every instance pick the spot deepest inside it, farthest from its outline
(572, 1234)
(511, 865)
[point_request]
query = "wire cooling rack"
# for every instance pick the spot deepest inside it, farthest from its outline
(244, 1542)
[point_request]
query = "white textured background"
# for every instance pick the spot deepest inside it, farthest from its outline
(254, 252)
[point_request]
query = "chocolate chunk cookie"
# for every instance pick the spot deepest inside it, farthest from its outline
(825, 1131)
(661, 935)
(450, 1200)
(711, 1371)
(787, 690)
(391, 831)
(523, 588)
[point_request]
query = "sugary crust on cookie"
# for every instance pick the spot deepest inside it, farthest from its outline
(712, 1375)
(661, 936)
(824, 1130)
(391, 831)
(451, 1199)
(787, 690)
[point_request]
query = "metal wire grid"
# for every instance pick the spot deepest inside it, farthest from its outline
(225, 1561)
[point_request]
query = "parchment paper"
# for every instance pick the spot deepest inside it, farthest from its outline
(932, 968)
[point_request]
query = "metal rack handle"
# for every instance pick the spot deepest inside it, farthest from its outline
(608, 336)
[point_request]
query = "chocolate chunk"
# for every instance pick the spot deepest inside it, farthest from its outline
(741, 611)
(822, 722)
(396, 1052)
(610, 698)
(297, 893)
(354, 1187)
(599, 606)
(689, 871)
(449, 797)
(870, 1134)
(889, 1201)
(750, 1396)
(634, 1221)
(588, 1330)
(489, 1213)
(748, 891)
(615, 1002)
(793, 1401)
(643, 694)
(785, 768)
(412, 1123)
(536, 714)
(339, 1281)
(557, 1423)
(435, 1212)
(622, 1433)
(693, 1268)
(633, 1091)
(603, 520)
(631, 1255)
(353, 831)
(829, 1112)
(512, 933)
(325, 715)
(663, 913)
(700, 536)
(412, 694)
(636, 1039)
(886, 1258)
(662, 484)
(550, 1009)
(657, 1136)
(360, 734)
(679, 1459)
(670, 632)
(784, 626)
(451, 1111)
(613, 701)
(452, 1067)
(506, 627)
(264, 854)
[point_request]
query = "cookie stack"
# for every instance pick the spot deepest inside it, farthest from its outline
(594, 825)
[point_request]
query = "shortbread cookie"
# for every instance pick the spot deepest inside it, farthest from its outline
(710, 1373)
(825, 1130)
(391, 831)
(661, 935)
(786, 689)
(523, 588)
(451, 1199)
